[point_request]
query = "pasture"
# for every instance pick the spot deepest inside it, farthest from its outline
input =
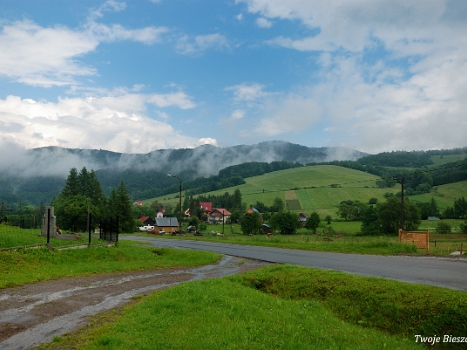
(321, 188)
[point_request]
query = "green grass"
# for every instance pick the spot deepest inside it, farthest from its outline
(390, 306)
(312, 187)
(12, 236)
(438, 160)
(385, 245)
(32, 265)
(224, 314)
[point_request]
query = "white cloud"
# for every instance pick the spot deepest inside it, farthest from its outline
(49, 56)
(291, 114)
(114, 122)
(195, 45)
(41, 56)
(413, 97)
(237, 114)
(263, 23)
(247, 92)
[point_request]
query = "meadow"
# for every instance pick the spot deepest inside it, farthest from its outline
(321, 188)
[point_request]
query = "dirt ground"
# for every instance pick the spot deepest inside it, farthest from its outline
(35, 313)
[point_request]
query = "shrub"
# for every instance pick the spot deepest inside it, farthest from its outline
(443, 227)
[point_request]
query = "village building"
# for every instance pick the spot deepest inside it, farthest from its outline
(218, 216)
(167, 225)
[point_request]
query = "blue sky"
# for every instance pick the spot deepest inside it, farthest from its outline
(135, 76)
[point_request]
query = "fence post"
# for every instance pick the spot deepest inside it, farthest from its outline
(89, 228)
(48, 230)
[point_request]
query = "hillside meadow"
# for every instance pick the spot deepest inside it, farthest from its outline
(321, 188)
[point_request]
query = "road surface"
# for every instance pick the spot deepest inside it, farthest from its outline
(443, 272)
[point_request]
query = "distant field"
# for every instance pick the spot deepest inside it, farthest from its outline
(440, 160)
(444, 195)
(321, 188)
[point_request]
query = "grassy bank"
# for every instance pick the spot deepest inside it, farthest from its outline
(393, 307)
(32, 265)
(217, 314)
(281, 307)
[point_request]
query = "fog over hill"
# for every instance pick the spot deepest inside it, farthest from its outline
(203, 161)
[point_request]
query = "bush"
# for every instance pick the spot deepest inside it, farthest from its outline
(464, 227)
(443, 227)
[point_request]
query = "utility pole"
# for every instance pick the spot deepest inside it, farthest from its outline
(180, 203)
(402, 204)
(402, 181)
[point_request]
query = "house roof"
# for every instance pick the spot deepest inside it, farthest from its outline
(206, 206)
(223, 211)
(143, 218)
(167, 222)
(252, 210)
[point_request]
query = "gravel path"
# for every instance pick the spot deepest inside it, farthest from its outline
(35, 313)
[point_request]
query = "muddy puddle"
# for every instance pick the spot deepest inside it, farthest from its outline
(35, 313)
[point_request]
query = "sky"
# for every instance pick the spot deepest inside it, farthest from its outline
(139, 75)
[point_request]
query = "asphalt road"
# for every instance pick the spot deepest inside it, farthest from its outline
(443, 272)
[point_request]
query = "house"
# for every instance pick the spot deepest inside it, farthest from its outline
(302, 218)
(167, 225)
(138, 203)
(160, 213)
(206, 206)
(252, 210)
(218, 215)
(146, 221)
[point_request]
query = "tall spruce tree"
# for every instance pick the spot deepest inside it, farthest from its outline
(119, 205)
(82, 194)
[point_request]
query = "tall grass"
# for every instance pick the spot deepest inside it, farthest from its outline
(390, 306)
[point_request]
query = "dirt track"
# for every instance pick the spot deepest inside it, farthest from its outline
(35, 313)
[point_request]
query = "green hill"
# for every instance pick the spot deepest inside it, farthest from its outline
(321, 188)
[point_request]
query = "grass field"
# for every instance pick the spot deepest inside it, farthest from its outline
(321, 188)
(440, 160)
(32, 265)
(12, 236)
(280, 307)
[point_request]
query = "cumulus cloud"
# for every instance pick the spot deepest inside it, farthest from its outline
(116, 122)
(412, 97)
(49, 56)
(292, 114)
(263, 23)
(247, 92)
(237, 114)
